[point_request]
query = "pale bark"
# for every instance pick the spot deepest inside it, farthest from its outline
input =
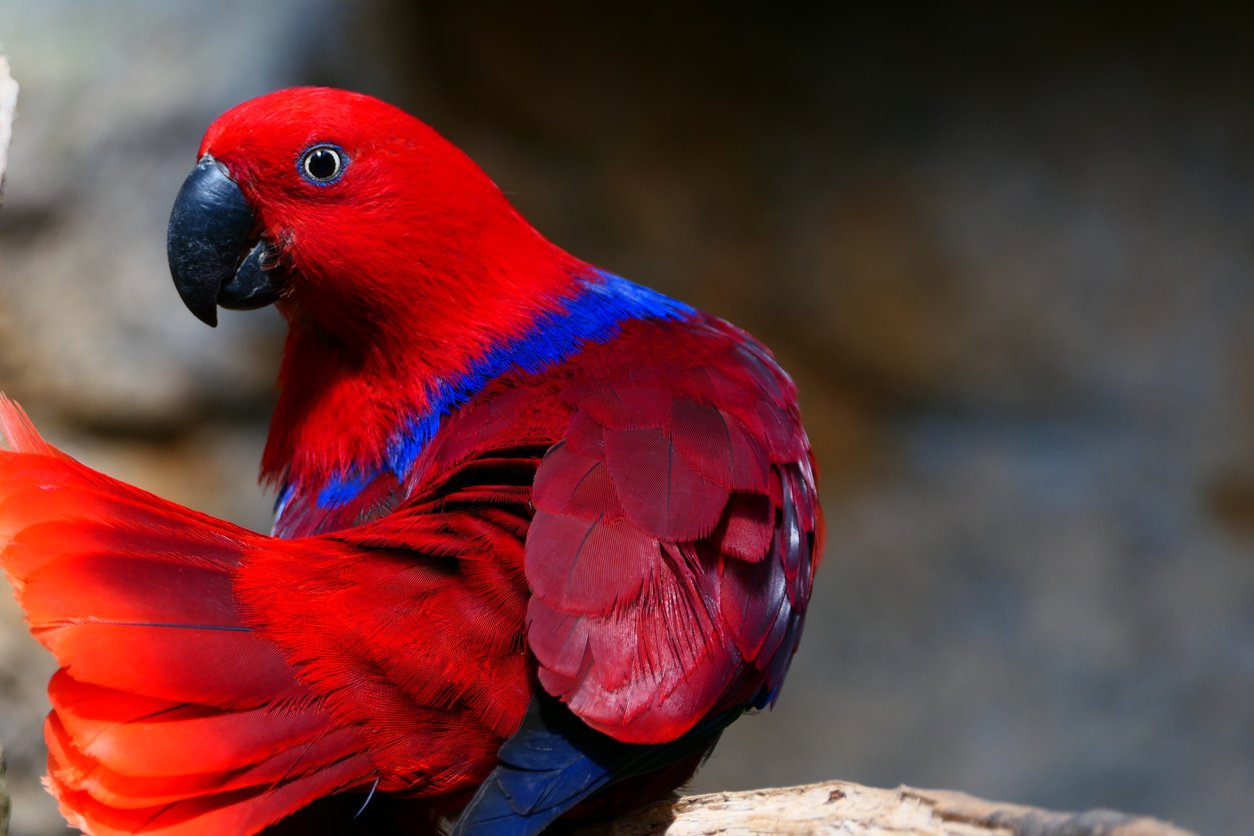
(844, 807)
(8, 105)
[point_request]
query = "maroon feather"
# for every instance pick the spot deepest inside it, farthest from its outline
(660, 491)
(644, 635)
(747, 527)
(718, 447)
(590, 566)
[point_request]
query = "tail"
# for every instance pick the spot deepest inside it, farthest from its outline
(169, 714)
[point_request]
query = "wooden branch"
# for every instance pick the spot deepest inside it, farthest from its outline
(844, 807)
(8, 106)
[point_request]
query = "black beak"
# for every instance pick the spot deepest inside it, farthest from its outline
(217, 255)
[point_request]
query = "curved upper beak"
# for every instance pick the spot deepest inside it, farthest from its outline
(217, 254)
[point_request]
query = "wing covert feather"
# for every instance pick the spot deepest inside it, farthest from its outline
(673, 545)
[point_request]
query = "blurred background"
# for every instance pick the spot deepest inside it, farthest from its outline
(1006, 252)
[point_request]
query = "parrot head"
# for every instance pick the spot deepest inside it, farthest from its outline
(394, 258)
(354, 217)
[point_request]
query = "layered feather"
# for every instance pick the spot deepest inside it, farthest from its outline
(215, 680)
(673, 541)
(170, 715)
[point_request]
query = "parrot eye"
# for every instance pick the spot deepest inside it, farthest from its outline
(322, 165)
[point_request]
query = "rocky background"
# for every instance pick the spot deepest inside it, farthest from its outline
(1006, 253)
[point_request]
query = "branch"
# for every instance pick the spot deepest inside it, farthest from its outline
(8, 104)
(840, 806)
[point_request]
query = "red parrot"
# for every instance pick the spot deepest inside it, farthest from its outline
(541, 532)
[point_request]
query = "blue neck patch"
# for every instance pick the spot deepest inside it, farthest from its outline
(595, 314)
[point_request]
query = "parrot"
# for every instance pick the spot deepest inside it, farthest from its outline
(541, 533)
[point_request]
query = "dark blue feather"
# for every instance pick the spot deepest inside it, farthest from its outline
(554, 761)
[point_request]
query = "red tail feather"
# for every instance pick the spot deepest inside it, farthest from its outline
(170, 714)
(19, 433)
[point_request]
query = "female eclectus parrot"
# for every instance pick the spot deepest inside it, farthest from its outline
(541, 533)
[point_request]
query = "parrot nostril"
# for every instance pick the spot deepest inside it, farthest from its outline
(209, 159)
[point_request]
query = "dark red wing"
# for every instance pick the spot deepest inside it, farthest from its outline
(673, 544)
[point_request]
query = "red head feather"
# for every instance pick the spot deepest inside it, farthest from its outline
(403, 270)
